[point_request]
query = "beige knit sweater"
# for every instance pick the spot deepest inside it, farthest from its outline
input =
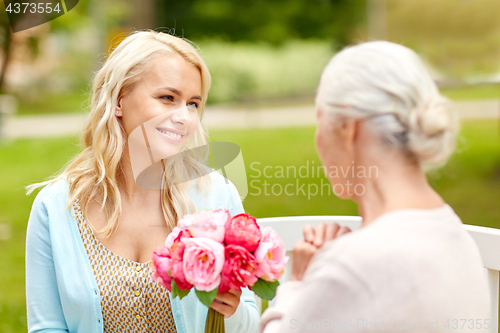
(407, 271)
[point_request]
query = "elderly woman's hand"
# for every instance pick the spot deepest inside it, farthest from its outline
(304, 249)
(323, 233)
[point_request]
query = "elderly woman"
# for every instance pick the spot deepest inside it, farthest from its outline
(411, 266)
(93, 229)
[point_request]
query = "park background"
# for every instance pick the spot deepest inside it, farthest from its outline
(265, 58)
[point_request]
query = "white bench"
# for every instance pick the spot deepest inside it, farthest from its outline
(488, 240)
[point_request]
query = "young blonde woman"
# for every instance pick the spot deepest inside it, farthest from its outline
(92, 229)
(411, 267)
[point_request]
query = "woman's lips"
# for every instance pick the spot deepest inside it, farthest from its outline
(171, 134)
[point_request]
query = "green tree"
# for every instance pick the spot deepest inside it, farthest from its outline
(5, 44)
(263, 20)
(459, 38)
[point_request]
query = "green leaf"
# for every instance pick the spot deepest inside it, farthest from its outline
(265, 289)
(176, 291)
(207, 297)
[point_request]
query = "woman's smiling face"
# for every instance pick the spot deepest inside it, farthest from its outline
(165, 102)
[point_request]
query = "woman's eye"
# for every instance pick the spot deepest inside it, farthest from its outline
(194, 104)
(168, 97)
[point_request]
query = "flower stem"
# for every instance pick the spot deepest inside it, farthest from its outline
(215, 322)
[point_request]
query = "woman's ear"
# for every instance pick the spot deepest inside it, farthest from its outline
(348, 131)
(118, 110)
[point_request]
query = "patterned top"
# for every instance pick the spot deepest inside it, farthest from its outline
(130, 300)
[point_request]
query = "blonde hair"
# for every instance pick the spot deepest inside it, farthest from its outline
(388, 84)
(96, 170)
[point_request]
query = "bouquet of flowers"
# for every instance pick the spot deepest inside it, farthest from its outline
(214, 252)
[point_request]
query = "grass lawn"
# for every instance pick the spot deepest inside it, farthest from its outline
(470, 183)
(50, 103)
(484, 91)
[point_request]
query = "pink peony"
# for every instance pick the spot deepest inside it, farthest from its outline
(239, 269)
(177, 234)
(202, 263)
(187, 220)
(243, 230)
(208, 224)
(161, 265)
(177, 249)
(179, 276)
(174, 242)
(270, 255)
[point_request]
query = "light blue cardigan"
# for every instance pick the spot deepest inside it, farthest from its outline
(61, 291)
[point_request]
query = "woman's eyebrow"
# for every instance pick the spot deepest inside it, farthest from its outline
(175, 91)
(178, 92)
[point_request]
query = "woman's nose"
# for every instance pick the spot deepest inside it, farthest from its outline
(180, 115)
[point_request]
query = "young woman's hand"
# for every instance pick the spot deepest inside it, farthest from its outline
(226, 303)
(313, 239)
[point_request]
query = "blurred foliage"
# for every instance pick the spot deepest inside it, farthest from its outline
(50, 103)
(5, 46)
(243, 73)
(458, 37)
(262, 50)
(82, 36)
(78, 40)
(259, 20)
(111, 13)
(249, 71)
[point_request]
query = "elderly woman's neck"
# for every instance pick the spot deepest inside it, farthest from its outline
(399, 185)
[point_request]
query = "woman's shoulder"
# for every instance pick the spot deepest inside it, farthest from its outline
(52, 193)
(49, 208)
(403, 229)
(431, 238)
(442, 213)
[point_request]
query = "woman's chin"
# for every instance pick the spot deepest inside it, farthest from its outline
(166, 151)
